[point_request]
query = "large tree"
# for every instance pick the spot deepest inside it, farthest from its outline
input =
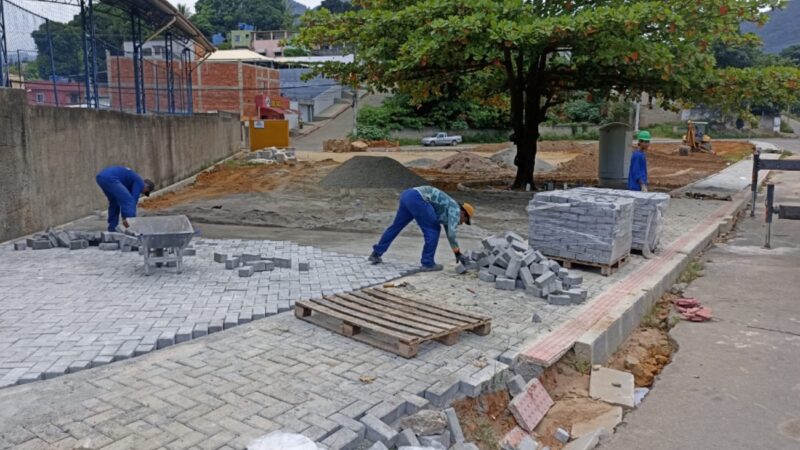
(222, 16)
(539, 52)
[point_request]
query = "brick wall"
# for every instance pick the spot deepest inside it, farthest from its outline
(216, 85)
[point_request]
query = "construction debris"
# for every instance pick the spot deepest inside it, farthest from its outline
(691, 310)
(336, 145)
(273, 156)
(608, 420)
(507, 261)
(612, 386)
(581, 227)
(530, 406)
(79, 240)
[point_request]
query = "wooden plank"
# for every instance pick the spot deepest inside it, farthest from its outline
(366, 320)
(351, 303)
(405, 312)
(409, 308)
(449, 339)
(344, 317)
(404, 349)
(460, 315)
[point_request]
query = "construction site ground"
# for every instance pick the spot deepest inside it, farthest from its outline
(278, 372)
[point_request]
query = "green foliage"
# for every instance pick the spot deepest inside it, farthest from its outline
(581, 110)
(785, 127)
(372, 133)
(222, 16)
(590, 135)
(338, 6)
(671, 130)
(747, 55)
(295, 51)
(792, 53)
(486, 137)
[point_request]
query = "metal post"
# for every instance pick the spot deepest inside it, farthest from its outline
(19, 69)
(158, 89)
(85, 55)
(119, 84)
(769, 212)
(754, 181)
(187, 67)
(93, 62)
(168, 60)
(5, 79)
(138, 63)
(52, 61)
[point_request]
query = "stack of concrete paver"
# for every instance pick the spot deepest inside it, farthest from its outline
(78, 240)
(649, 209)
(273, 155)
(508, 262)
(580, 226)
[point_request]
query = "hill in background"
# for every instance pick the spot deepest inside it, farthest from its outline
(781, 31)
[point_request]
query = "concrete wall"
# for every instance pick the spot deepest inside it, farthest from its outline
(49, 156)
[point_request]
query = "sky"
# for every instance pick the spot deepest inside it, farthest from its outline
(190, 3)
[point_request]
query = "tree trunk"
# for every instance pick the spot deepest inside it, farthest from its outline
(526, 158)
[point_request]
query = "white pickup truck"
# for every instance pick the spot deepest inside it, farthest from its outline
(441, 139)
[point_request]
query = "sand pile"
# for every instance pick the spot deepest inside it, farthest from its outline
(466, 162)
(505, 158)
(372, 172)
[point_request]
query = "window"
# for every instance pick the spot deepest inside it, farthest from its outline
(73, 99)
(147, 52)
(238, 38)
(39, 97)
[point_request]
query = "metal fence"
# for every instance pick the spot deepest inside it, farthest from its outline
(114, 54)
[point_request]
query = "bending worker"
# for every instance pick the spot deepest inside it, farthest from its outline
(122, 187)
(637, 174)
(431, 209)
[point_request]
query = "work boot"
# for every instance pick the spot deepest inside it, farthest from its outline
(375, 258)
(433, 268)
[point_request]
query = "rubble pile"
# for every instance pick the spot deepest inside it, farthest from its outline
(509, 262)
(79, 240)
(649, 209)
(273, 156)
(580, 226)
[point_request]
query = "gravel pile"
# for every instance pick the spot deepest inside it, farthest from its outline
(372, 172)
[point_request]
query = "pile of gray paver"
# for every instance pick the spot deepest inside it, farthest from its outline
(248, 264)
(79, 240)
(273, 156)
(428, 428)
(580, 226)
(508, 262)
(649, 209)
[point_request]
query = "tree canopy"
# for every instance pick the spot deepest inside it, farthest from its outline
(541, 52)
(222, 16)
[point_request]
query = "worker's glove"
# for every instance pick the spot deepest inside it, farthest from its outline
(460, 258)
(644, 188)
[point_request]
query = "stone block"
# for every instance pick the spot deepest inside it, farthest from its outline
(246, 271)
(561, 435)
(109, 246)
(512, 271)
(41, 244)
(574, 279)
(460, 269)
(505, 284)
(545, 279)
(535, 292)
(283, 263)
(454, 426)
(486, 276)
(497, 271)
(407, 438)
(378, 446)
(538, 269)
(303, 266)
(526, 277)
(258, 266)
(442, 392)
(377, 430)
(249, 257)
(232, 263)
(21, 245)
(220, 257)
(425, 422)
(559, 299)
(529, 407)
(189, 252)
(576, 295)
(612, 386)
(516, 385)
(343, 439)
(436, 441)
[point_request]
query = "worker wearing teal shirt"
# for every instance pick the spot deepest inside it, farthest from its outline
(432, 209)
(637, 174)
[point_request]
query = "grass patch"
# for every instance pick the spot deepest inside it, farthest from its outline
(590, 135)
(484, 435)
(409, 141)
(671, 130)
(237, 163)
(785, 154)
(693, 271)
(579, 364)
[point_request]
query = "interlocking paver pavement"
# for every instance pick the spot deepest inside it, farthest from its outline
(283, 373)
(62, 311)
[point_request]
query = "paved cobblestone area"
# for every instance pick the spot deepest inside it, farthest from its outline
(282, 373)
(63, 311)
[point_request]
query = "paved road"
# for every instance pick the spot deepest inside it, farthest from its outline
(337, 128)
(735, 382)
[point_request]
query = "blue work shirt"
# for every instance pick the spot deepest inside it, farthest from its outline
(131, 181)
(448, 211)
(638, 171)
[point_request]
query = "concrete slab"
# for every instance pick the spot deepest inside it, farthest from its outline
(608, 420)
(612, 386)
(530, 407)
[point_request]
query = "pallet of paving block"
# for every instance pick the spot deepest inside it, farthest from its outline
(390, 321)
(605, 269)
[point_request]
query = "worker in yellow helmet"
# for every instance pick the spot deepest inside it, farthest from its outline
(432, 209)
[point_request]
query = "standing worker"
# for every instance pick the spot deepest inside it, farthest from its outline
(122, 187)
(431, 209)
(637, 174)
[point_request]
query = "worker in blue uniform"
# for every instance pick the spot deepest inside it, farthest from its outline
(637, 174)
(122, 187)
(432, 209)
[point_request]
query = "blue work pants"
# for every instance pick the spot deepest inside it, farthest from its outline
(413, 207)
(117, 195)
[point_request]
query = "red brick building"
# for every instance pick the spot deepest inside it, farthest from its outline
(44, 93)
(225, 82)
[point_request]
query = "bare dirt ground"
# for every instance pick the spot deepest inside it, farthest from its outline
(485, 419)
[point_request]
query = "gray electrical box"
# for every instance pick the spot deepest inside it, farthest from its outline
(615, 155)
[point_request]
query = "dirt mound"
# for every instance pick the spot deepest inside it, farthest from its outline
(505, 158)
(465, 162)
(421, 163)
(372, 172)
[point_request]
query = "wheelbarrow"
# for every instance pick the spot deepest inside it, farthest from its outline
(163, 239)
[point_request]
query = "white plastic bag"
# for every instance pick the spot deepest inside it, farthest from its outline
(279, 440)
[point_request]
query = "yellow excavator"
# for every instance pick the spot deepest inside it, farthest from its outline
(696, 139)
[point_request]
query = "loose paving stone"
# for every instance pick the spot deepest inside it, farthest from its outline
(612, 386)
(529, 407)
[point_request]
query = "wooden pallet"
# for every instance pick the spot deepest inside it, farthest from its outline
(390, 322)
(605, 269)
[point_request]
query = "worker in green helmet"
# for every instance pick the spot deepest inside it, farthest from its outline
(637, 174)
